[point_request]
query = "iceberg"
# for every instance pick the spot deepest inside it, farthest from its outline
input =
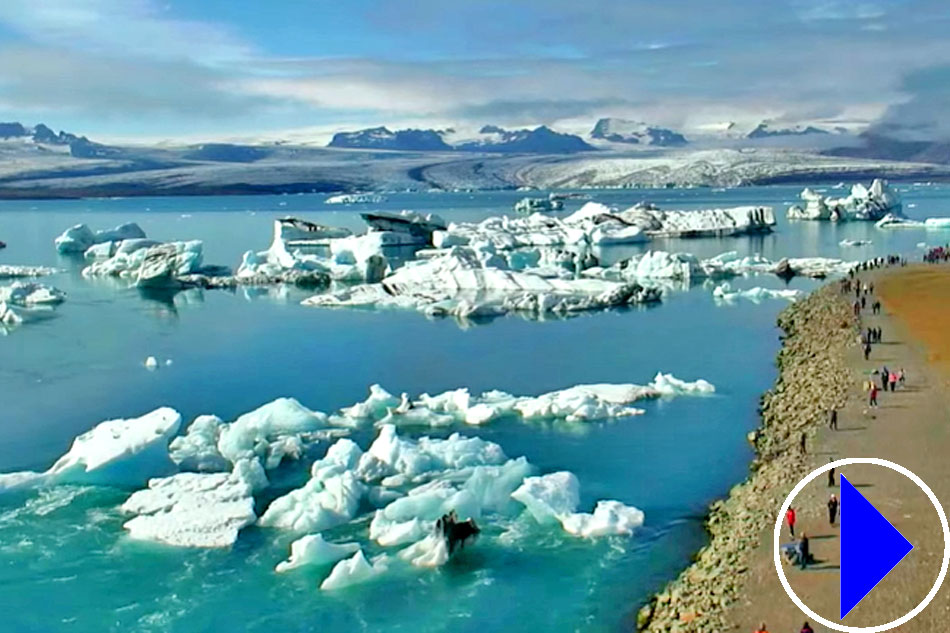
(553, 499)
(79, 238)
(28, 294)
(355, 198)
(609, 518)
(549, 497)
(10, 271)
(864, 203)
(124, 453)
(409, 226)
(197, 450)
(330, 498)
(468, 283)
(354, 570)
(270, 432)
(192, 509)
(937, 223)
(157, 266)
(312, 550)
(898, 221)
(855, 243)
(725, 293)
(432, 551)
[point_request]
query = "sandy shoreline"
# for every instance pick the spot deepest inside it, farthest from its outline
(732, 585)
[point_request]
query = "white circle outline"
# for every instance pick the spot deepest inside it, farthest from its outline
(946, 545)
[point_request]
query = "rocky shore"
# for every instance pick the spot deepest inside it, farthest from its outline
(813, 377)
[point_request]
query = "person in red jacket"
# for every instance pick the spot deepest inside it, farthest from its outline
(790, 519)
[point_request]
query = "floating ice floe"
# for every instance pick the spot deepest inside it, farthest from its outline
(195, 509)
(654, 266)
(79, 238)
(115, 453)
(466, 283)
(28, 294)
(554, 498)
(313, 550)
(409, 227)
(855, 243)
(724, 292)
(150, 265)
(864, 203)
(353, 571)
(355, 198)
(937, 223)
(10, 271)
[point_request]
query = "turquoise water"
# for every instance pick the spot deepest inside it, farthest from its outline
(66, 564)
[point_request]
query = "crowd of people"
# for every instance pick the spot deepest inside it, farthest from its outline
(937, 255)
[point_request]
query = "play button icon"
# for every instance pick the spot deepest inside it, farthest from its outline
(870, 547)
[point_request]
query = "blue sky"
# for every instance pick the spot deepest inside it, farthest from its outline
(160, 69)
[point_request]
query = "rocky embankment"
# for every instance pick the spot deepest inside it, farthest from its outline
(812, 378)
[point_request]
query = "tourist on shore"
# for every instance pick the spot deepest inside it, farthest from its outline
(801, 445)
(900, 376)
(885, 374)
(804, 553)
(872, 399)
(832, 509)
(831, 475)
(790, 519)
(867, 350)
(892, 381)
(806, 628)
(761, 629)
(833, 419)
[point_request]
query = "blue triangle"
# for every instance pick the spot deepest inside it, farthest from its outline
(870, 547)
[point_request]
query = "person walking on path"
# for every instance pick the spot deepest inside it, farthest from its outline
(806, 628)
(802, 445)
(872, 400)
(832, 509)
(790, 519)
(900, 376)
(831, 477)
(867, 351)
(884, 376)
(761, 629)
(833, 419)
(892, 381)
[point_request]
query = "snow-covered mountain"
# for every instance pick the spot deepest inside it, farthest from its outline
(768, 130)
(490, 138)
(384, 138)
(42, 137)
(636, 132)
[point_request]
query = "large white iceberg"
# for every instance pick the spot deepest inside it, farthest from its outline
(469, 283)
(313, 550)
(158, 265)
(270, 432)
(78, 238)
(864, 203)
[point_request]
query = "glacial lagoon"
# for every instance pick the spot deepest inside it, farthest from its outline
(234, 351)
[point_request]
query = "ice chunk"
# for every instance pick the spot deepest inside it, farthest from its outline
(863, 203)
(375, 407)
(937, 223)
(354, 570)
(670, 385)
(192, 509)
(151, 363)
(313, 550)
(270, 432)
(75, 239)
(31, 294)
(120, 452)
(79, 238)
(10, 271)
(331, 497)
(725, 293)
(854, 243)
(609, 518)
(197, 450)
(388, 532)
(549, 497)
(585, 402)
(432, 551)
